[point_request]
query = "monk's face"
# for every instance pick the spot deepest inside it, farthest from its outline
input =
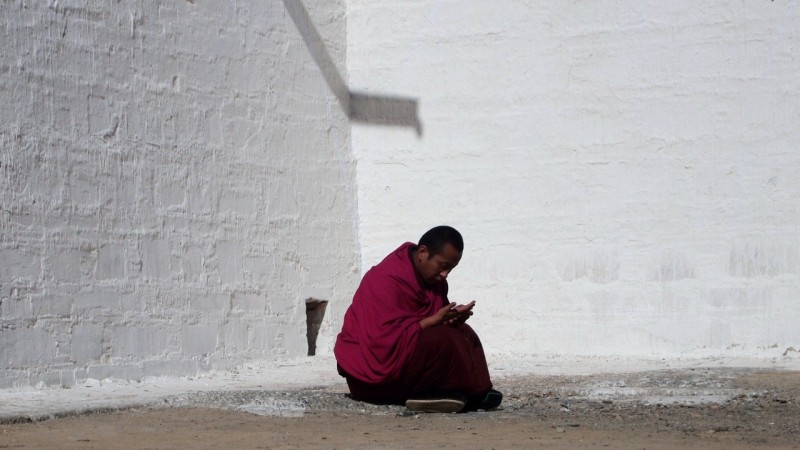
(434, 268)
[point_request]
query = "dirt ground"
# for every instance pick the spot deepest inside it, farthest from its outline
(707, 408)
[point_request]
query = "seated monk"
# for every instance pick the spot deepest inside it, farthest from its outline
(403, 341)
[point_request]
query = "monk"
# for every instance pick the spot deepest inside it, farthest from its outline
(403, 341)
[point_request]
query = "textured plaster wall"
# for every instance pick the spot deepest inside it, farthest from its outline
(175, 181)
(626, 174)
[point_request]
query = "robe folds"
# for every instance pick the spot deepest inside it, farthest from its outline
(381, 327)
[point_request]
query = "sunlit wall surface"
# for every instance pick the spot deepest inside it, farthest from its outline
(626, 174)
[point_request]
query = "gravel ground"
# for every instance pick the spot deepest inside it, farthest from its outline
(696, 408)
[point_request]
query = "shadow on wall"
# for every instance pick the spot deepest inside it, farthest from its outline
(360, 107)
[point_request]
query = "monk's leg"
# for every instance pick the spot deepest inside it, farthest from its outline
(447, 359)
(384, 393)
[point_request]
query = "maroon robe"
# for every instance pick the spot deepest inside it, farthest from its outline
(385, 354)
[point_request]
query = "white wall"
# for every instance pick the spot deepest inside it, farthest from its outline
(175, 181)
(176, 178)
(626, 174)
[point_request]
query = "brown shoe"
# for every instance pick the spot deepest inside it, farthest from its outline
(436, 405)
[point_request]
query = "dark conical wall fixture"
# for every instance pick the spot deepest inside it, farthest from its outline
(315, 311)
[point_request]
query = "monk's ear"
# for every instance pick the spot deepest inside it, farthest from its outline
(423, 252)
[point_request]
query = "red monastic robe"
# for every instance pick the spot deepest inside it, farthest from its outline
(381, 326)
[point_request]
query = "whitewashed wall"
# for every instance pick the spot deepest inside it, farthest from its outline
(626, 174)
(175, 181)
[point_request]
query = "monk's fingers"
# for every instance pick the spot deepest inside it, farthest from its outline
(467, 307)
(446, 310)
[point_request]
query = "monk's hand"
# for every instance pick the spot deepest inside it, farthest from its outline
(441, 316)
(460, 314)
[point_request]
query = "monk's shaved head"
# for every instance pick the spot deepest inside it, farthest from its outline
(436, 238)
